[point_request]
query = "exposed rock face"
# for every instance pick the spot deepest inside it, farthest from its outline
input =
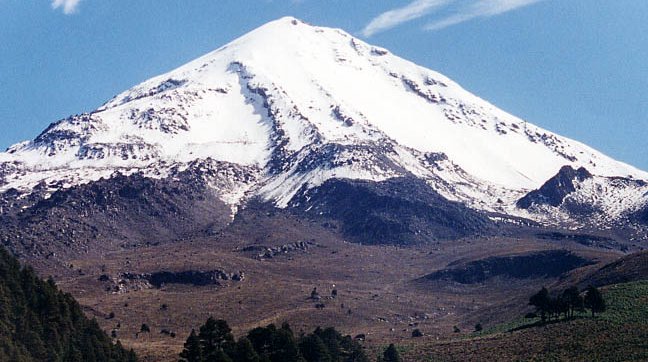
(583, 239)
(640, 216)
(545, 264)
(398, 211)
(127, 282)
(192, 277)
(123, 211)
(554, 191)
(589, 202)
(269, 252)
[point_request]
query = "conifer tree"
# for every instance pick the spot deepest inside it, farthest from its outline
(573, 299)
(192, 351)
(244, 351)
(270, 344)
(353, 351)
(542, 302)
(215, 335)
(594, 300)
(314, 350)
(219, 356)
(391, 354)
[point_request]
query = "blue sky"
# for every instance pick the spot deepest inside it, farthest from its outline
(576, 67)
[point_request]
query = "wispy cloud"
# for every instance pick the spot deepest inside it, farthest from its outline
(395, 17)
(479, 9)
(462, 11)
(69, 6)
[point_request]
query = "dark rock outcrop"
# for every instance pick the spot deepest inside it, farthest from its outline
(108, 214)
(127, 282)
(583, 239)
(544, 264)
(191, 277)
(269, 252)
(395, 211)
(554, 191)
(640, 216)
(629, 268)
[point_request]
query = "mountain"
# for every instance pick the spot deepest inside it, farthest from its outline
(312, 120)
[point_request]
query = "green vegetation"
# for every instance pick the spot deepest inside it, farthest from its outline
(391, 355)
(594, 301)
(40, 323)
(620, 333)
(215, 342)
(623, 303)
(626, 303)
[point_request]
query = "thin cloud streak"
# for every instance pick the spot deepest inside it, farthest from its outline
(480, 9)
(69, 6)
(395, 17)
(465, 11)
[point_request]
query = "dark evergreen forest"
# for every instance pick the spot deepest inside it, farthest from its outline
(38, 322)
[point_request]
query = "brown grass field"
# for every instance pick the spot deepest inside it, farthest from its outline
(378, 291)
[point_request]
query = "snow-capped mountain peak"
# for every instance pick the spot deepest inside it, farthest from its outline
(294, 105)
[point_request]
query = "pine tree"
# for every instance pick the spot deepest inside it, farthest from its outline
(284, 347)
(542, 302)
(391, 354)
(313, 349)
(215, 335)
(270, 344)
(244, 351)
(331, 339)
(286, 327)
(573, 299)
(354, 351)
(192, 351)
(261, 339)
(594, 300)
(219, 356)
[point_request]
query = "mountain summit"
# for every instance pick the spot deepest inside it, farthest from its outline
(288, 107)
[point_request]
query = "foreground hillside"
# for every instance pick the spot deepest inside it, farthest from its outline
(381, 289)
(619, 334)
(40, 323)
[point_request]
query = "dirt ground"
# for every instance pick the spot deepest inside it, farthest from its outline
(379, 293)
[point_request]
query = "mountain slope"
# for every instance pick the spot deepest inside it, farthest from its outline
(395, 211)
(120, 212)
(289, 106)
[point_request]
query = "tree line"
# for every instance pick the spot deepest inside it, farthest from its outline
(214, 342)
(38, 322)
(568, 302)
